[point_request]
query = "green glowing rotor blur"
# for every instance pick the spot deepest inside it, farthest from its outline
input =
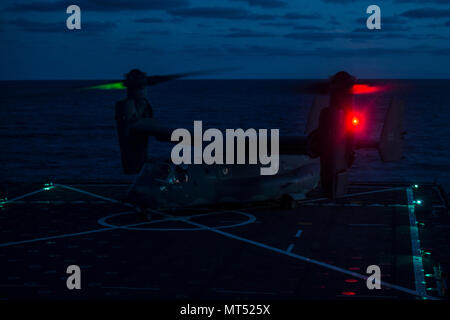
(108, 86)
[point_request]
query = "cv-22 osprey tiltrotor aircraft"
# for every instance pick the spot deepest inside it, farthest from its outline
(321, 158)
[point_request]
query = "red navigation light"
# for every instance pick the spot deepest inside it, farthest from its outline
(364, 89)
(355, 121)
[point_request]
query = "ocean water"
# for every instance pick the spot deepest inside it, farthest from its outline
(49, 132)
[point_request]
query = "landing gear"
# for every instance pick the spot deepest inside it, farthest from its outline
(144, 213)
(288, 203)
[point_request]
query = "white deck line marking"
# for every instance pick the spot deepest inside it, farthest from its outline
(68, 235)
(60, 202)
(291, 246)
(367, 225)
(302, 258)
(94, 195)
(353, 194)
(133, 288)
(324, 204)
(415, 245)
(299, 232)
(23, 196)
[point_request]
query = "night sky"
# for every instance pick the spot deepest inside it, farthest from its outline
(261, 38)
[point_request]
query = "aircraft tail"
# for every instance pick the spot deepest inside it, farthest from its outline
(390, 146)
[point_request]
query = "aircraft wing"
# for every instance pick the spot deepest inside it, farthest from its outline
(153, 127)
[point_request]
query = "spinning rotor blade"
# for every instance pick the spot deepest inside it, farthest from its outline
(324, 88)
(119, 85)
(153, 80)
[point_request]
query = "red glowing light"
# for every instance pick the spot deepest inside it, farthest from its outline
(354, 268)
(351, 280)
(355, 121)
(364, 89)
(348, 293)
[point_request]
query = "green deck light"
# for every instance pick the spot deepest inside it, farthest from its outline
(416, 186)
(48, 186)
(429, 275)
(418, 202)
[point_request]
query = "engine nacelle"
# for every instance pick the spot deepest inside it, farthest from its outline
(133, 145)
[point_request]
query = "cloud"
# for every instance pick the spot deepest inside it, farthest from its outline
(132, 46)
(424, 1)
(384, 20)
(438, 25)
(276, 24)
(384, 28)
(149, 20)
(156, 20)
(290, 24)
(333, 21)
(340, 1)
(254, 50)
(439, 2)
(37, 26)
(426, 13)
(307, 27)
(319, 36)
(277, 51)
(390, 23)
(442, 51)
(246, 33)
(155, 32)
(297, 16)
(99, 5)
(359, 34)
(429, 36)
(220, 13)
(264, 3)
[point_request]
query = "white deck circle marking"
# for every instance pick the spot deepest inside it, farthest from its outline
(250, 219)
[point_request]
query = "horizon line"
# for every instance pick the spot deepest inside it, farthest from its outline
(221, 79)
